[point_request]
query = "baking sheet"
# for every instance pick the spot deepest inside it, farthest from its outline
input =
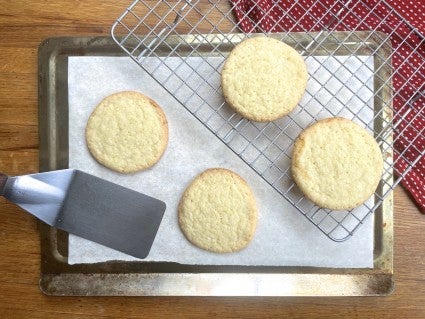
(283, 237)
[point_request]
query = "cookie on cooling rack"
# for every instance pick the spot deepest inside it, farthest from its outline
(127, 132)
(263, 79)
(336, 163)
(217, 212)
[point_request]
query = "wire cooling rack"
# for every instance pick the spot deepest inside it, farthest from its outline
(183, 45)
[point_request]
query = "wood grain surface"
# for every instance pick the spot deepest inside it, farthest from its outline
(23, 25)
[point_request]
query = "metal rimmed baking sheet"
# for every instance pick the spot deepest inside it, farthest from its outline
(133, 278)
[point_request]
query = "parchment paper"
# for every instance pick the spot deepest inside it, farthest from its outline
(283, 235)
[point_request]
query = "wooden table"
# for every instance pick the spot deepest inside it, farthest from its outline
(23, 25)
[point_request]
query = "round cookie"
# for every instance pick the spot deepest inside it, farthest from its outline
(217, 212)
(127, 132)
(263, 79)
(336, 163)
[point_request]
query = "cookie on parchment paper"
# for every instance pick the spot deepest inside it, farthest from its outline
(218, 212)
(127, 132)
(336, 163)
(263, 79)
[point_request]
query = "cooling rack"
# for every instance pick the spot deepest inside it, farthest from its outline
(191, 39)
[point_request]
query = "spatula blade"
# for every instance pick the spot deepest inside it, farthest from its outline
(111, 215)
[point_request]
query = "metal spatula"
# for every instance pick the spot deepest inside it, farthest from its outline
(89, 207)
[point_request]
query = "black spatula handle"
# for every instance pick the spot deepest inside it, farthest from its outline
(3, 179)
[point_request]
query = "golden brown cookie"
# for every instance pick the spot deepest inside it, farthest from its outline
(336, 163)
(263, 79)
(217, 212)
(127, 132)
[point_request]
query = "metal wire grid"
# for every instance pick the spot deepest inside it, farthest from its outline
(183, 45)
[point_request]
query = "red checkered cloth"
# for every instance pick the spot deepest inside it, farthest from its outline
(407, 39)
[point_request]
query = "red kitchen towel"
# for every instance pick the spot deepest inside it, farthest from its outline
(408, 59)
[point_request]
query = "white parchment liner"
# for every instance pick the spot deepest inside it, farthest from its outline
(283, 236)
